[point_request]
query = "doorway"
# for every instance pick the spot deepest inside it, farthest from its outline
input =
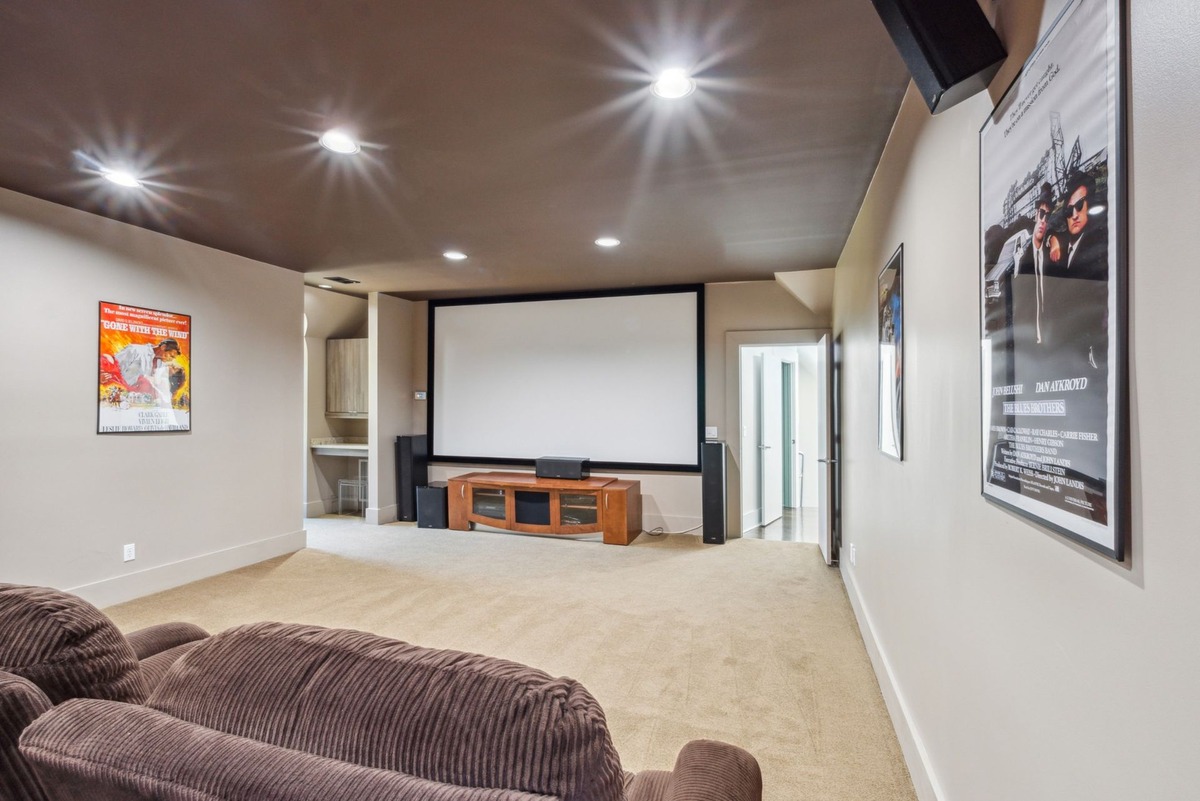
(780, 422)
(789, 369)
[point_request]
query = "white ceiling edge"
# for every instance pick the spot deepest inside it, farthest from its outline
(813, 288)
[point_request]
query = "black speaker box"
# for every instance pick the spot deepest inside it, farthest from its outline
(431, 506)
(412, 471)
(712, 490)
(561, 467)
(948, 45)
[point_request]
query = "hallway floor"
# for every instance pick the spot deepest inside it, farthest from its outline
(796, 525)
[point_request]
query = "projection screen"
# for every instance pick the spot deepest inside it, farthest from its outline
(615, 378)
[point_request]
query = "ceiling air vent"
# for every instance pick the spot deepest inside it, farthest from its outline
(341, 280)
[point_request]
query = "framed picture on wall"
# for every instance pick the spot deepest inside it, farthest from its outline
(891, 356)
(1053, 284)
(145, 370)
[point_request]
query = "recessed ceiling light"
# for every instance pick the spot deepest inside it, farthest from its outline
(338, 141)
(121, 178)
(455, 255)
(673, 83)
(608, 241)
(324, 286)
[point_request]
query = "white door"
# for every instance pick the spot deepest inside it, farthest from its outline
(825, 462)
(770, 438)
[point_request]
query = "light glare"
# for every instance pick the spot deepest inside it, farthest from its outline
(455, 255)
(608, 241)
(673, 83)
(122, 178)
(338, 141)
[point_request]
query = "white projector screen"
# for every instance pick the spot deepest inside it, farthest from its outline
(613, 378)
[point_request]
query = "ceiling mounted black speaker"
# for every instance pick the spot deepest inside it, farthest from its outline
(948, 45)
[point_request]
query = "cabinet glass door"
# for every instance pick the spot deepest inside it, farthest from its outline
(488, 503)
(577, 509)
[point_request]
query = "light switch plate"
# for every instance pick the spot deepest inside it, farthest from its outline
(419, 395)
(710, 432)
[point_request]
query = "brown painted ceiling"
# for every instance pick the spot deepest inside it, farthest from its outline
(517, 131)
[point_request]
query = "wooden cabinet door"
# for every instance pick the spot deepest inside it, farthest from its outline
(458, 504)
(622, 511)
(346, 377)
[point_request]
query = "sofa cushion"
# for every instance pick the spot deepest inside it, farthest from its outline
(446, 716)
(66, 646)
(105, 751)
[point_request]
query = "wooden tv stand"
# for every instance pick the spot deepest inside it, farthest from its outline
(523, 502)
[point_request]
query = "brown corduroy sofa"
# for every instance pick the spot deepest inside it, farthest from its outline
(55, 647)
(280, 712)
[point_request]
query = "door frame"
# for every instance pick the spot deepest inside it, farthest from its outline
(734, 340)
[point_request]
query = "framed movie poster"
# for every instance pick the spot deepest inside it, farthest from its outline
(891, 356)
(1053, 284)
(145, 370)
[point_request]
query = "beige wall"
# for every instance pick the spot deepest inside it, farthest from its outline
(327, 315)
(390, 392)
(751, 306)
(1018, 664)
(224, 495)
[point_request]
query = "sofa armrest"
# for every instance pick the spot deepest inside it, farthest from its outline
(155, 639)
(21, 703)
(708, 769)
(93, 749)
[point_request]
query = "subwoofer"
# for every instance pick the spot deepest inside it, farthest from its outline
(949, 47)
(712, 490)
(431, 506)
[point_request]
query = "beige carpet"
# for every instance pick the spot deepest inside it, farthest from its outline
(752, 642)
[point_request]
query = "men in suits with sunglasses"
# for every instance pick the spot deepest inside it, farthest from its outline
(1086, 253)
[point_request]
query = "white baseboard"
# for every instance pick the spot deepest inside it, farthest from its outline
(316, 508)
(672, 523)
(164, 577)
(751, 519)
(377, 516)
(923, 778)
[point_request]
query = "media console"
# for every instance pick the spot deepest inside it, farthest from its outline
(523, 502)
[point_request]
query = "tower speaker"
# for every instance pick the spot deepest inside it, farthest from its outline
(712, 490)
(412, 471)
(948, 45)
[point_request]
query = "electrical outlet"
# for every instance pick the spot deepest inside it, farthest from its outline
(853, 556)
(130, 552)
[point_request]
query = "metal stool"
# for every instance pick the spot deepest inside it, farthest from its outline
(354, 490)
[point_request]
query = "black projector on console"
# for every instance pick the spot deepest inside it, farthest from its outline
(560, 467)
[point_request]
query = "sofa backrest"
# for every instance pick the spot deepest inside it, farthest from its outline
(66, 646)
(447, 716)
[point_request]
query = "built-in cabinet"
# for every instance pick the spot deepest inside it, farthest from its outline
(346, 378)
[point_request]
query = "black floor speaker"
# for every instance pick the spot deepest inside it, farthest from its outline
(412, 471)
(949, 47)
(431, 506)
(712, 490)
